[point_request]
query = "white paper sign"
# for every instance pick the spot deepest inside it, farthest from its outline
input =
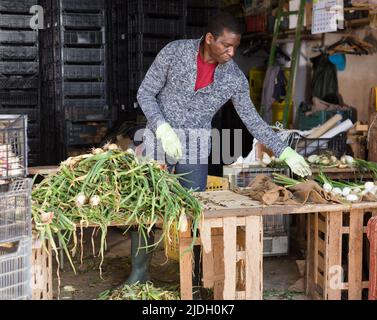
(325, 16)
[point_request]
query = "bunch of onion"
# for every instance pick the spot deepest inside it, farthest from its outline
(349, 191)
(364, 166)
(110, 187)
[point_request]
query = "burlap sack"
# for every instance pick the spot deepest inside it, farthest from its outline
(264, 190)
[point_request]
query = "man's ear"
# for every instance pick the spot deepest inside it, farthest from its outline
(209, 38)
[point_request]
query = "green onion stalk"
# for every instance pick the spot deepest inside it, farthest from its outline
(107, 187)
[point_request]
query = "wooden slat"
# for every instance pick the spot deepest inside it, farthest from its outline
(230, 242)
(185, 266)
(355, 255)
(218, 290)
(205, 235)
(322, 226)
(309, 257)
(333, 253)
(320, 280)
(364, 285)
(241, 255)
(315, 243)
(321, 263)
(321, 246)
(208, 270)
(346, 230)
(254, 258)
(241, 295)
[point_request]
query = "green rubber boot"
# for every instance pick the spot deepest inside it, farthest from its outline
(140, 258)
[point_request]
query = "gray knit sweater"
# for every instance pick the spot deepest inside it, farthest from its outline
(168, 94)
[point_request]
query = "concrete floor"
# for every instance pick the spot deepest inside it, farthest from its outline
(280, 273)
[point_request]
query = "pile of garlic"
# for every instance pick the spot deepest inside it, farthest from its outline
(10, 164)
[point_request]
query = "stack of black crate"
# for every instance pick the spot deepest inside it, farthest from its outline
(199, 13)
(151, 25)
(75, 75)
(19, 69)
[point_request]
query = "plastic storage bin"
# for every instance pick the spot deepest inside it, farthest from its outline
(13, 146)
(15, 270)
(15, 211)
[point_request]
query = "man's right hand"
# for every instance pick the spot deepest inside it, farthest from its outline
(170, 141)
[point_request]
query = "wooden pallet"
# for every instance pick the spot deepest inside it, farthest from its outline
(337, 251)
(41, 272)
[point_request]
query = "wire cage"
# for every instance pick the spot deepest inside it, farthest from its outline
(13, 147)
(242, 176)
(306, 147)
(15, 211)
(15, 270)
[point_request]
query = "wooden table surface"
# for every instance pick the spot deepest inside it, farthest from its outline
(229, 203)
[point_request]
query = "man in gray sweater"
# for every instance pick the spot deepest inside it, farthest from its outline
(189, 81)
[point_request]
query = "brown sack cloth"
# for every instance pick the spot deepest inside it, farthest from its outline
(310, 191)
(263, 189)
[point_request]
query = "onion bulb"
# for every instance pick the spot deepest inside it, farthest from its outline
(81, 200)
(327, 187)
(266, 159)
(336, 191)
(95, 201)
(46, 217)
(183, 224)
(346, 191)
(352, 198)
(369, 186)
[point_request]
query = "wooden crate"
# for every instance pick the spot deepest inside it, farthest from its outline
(338, 254)
(41, 272)
(233, 246)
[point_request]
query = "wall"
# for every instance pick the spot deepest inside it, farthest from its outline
(359, 76)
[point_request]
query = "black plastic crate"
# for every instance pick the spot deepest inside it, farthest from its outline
(83, 5)
(83, 21)
(135, 79)
(19, 68)
(194, 32)
(140, 62)
(18, 82)
(90, 133)
(31, 113)
(18, 37)
(77, 110)
(76, 72)
(161, 7)
(18, 98)
(16, 6)
(155, 26)
(83, 38)
(203, 3)
(306, 147)
(199, 16)
(82, 55)
(18, 53)
(15, 21)
(140, 43)
(80, 89)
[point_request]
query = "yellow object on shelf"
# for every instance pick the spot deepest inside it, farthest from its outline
(172, 244)
(278, 112)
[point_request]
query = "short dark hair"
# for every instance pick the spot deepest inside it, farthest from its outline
(221, 21)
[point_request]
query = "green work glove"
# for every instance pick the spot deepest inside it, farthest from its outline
(170, 141)
(296, 162)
